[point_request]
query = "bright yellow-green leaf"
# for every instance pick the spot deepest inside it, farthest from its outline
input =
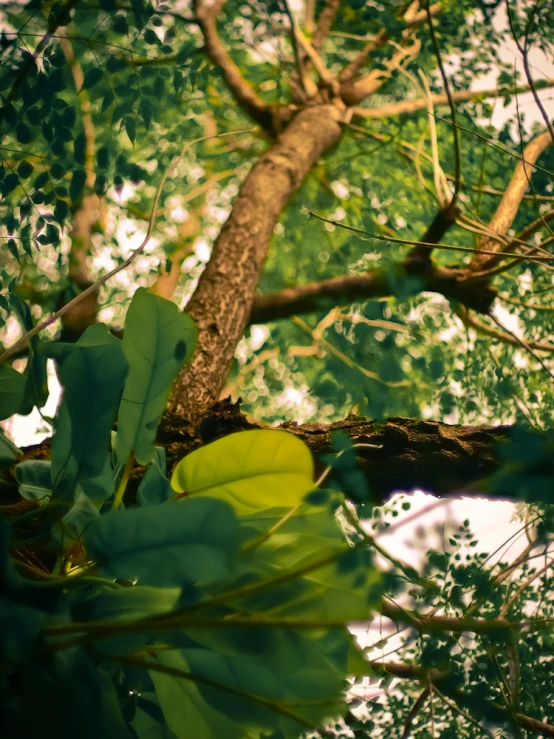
(251, 470)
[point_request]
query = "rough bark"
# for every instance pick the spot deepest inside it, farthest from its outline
(441, 459)
(222, 301)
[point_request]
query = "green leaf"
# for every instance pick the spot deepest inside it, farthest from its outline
(184, 709)
(8, 450)
(107, 100)
(36, 388)
(120, 24)
(251, 470)
(92, 373)
(33, 476)
(61, 211)
(127, 604)
(92, 77)
(115, 64)
(101, 184)
(130, 129)
(146, 111)
(23, 134)
(9, 183)
(158, 340)
(41, 180)
(25, 170)
(154, 488)
(192, 543)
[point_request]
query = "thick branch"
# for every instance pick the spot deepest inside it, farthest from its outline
(243, 93)
(447, 461)
(511, 200)
(222, 302)
(459, 96)
(440, 224)
(377, 284)
(413, 454)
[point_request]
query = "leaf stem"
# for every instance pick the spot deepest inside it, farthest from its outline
(124, 480)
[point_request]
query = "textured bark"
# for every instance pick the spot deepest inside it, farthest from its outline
(436, 457)
(441, 459)
(511, 200)
(222, 301)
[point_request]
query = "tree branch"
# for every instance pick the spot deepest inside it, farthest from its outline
(415, 672)
(241, 90)
(339, 291)
(499, 335)
(413, 454)
(324, 23)
(459, 96)
(222, 301)
(355, 91)
(511, 200)
(380, 39)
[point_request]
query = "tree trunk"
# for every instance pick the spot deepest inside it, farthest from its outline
(222, 301)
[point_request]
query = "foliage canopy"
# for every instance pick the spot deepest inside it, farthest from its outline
(352, 225)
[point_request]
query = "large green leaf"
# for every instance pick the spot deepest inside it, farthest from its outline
(8, 450)
(126, 605)
(33, 476)
(251, 470)
(92, 373)
(287, 690)
(335, 583)
(184, 708)
(149, 721)
(158, 340)
(36, 387)
(12, 391)
(166, 545)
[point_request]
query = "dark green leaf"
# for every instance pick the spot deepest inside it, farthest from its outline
(154, 327)
(130, 128)
(92, 77)
(188, 542)
(33, 476)
(25, 170)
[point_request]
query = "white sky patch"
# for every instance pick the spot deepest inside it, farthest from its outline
(510, 321)
(542, 67)
(32, 429)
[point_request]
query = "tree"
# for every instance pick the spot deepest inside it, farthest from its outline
(362, 209)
